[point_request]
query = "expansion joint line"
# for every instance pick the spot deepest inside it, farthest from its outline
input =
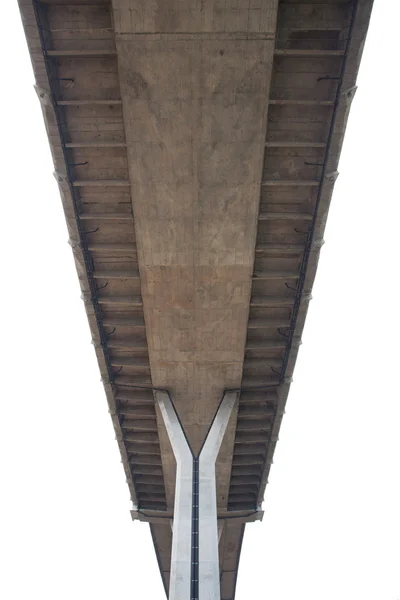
(194, 587)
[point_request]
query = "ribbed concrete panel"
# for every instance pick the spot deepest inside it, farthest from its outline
(314, 71)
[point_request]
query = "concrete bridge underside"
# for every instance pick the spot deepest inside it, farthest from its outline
(196, 146)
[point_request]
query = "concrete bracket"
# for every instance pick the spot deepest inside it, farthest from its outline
(74, 244)
(318, 243)
(90, 310)
(43, 95)
(349, 94)
(61, 179)
(332, 176)
(154, 517)
(260, 513)
(115, 417)
(135, 516)
(79, 257)
(288, 380)
(108, 386)
(113, 413)
(86, 297)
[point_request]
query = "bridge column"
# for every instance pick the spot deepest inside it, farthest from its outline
(181, 554)
(209, 587)
(194, 559)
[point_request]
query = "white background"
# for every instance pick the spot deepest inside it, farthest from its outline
(331, 529)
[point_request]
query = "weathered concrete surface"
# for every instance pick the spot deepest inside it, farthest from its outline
(195, 109)
(196, 248)
(195, 116)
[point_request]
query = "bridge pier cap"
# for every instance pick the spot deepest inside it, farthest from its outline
(195, 536)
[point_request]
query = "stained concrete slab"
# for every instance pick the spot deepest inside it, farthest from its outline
(195, 114)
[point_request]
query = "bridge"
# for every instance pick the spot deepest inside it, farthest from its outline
(196, 146)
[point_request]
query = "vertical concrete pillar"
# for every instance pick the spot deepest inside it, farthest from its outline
(209, 585)
(195, 559)
(181, 555)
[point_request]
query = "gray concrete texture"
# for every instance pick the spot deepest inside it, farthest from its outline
(196, 147)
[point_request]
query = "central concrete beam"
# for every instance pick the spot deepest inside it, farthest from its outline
(195, 107)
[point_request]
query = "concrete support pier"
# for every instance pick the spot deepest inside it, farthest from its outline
(195, 559)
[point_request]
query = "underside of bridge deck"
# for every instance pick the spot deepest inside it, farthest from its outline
(196, 146)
